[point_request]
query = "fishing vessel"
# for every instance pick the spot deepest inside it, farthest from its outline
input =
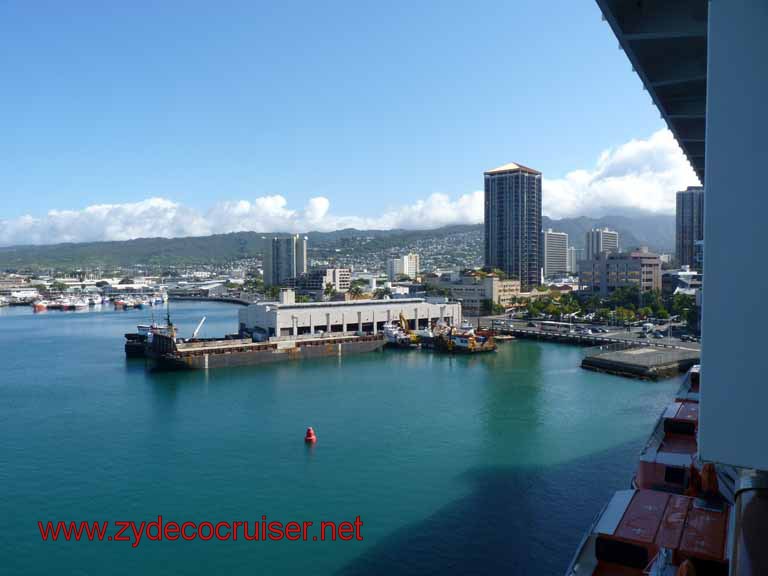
(40, 305)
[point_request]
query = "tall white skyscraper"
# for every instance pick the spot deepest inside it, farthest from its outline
(284, 259)
(555, 249)
(574, 256)
(601, 240)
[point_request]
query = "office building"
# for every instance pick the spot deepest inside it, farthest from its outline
(475, 290)
(513, 223)
(407, 265)
(601, 240)
(317, 279)
(575, 255)
(285, 258)
(689, 224)
(555, 250)
(611, 270)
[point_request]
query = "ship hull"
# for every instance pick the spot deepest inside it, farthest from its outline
(205, 361)
(135, 346)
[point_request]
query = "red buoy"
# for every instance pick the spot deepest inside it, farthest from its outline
(310, 437)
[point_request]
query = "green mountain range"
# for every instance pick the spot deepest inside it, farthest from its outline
(654, 231)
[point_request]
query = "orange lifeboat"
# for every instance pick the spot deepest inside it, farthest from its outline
(311, 437)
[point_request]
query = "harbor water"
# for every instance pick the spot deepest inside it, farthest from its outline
(455, 465)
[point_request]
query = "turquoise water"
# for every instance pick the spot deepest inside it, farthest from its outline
(455, 465)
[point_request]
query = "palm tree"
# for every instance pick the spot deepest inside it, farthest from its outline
(381, 293)
(355, 291)
(329, 291)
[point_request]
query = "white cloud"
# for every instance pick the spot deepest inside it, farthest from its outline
(147, 218)
(640, 174)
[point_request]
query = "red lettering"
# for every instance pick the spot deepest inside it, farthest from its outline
(171, 531)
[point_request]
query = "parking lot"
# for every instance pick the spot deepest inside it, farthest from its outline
(634, 334)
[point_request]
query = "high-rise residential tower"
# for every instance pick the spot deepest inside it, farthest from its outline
(284, 259)
(513, 222)
(690, 225)
(575, 255)
(407, 265)
(601, 240)
(555, 250)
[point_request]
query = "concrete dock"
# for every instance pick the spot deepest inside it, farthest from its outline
(640, 362)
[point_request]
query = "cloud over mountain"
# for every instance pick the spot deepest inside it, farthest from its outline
(638, 175)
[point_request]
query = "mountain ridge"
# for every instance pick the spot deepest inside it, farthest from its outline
(654, 231)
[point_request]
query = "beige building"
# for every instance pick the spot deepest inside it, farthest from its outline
(290, 318)
(609, 271)
(474, 290)
(318, 278)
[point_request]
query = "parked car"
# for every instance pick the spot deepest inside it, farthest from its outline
(642, 335)
(531, 325)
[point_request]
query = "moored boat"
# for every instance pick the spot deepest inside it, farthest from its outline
(464, 342)
(167, 351)
(396, 337)
(136, 342)
(40, 305)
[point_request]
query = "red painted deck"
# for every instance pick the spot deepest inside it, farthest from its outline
(705, 534)
(679, 444)
(644, 514)
(688, 411)
(671, 528)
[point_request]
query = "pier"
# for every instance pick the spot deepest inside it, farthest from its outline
(616, 352)
(645, 362)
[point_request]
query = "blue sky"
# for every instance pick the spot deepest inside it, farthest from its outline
(370, 105)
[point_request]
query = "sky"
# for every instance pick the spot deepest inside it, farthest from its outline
(130, 119)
